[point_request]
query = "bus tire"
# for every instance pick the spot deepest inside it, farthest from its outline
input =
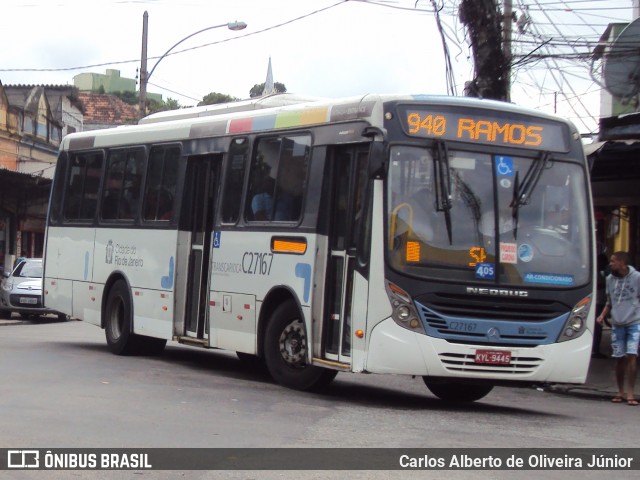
(118, 321)
(458, 392)
(285, 351)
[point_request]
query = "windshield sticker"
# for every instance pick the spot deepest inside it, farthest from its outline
(525, 252)
(549, 278)
(504, 166)
(486, 271)
(508, 253)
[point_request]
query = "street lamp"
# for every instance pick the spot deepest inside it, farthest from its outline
(144, 76)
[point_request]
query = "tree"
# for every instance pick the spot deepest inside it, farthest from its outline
(128, 97)
(170, 104)
(215, 97)
(483, 19)
(256, 90)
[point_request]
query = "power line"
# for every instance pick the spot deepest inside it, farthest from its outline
(120, 62)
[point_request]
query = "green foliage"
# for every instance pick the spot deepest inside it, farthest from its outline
(169, 104)
(256, 90)
(215, 98)
(128, 97)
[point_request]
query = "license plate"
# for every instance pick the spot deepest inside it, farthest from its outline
(29, 300)
(493, 357)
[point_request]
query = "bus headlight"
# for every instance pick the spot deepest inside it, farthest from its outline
(404, 313)
(576, 324)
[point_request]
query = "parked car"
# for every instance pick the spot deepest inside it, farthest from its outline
(21, 291)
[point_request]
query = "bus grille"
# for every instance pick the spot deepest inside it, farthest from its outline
(456, 362)
(494, 308)
(491, 326)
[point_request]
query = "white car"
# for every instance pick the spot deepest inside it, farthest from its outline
(21, 291)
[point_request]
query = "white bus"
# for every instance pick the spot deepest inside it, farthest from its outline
(447, 238)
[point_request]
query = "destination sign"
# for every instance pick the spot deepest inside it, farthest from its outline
(486, 127)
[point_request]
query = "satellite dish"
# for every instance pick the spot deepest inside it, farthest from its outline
(622, 63)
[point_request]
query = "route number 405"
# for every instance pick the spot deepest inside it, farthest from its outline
(486, 271)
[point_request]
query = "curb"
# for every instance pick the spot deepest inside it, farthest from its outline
(587, 393)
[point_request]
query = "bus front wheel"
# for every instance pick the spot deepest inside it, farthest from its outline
(458, 392)
(285, 351)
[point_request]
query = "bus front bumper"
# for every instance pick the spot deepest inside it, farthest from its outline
(393, 349)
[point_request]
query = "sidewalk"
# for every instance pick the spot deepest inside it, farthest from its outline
(601, 381)
(600, 384)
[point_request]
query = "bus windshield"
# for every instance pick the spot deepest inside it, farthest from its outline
(493, 219)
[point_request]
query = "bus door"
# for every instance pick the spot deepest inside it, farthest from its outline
(348, 166)
(201, 186)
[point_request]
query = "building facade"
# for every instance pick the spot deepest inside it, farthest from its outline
(33, 121)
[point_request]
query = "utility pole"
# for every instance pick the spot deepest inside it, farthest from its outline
(507, 19)
(142, 107)
(484, 22)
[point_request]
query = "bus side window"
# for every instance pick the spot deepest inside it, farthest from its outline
(160, 184)
(286, 160)
(258, 204)
(234, 180)
(81, 193)
(131, 185)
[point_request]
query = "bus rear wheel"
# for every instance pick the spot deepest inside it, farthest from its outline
(118, 318)
(458, 392)
(285, 351)
(118, 325)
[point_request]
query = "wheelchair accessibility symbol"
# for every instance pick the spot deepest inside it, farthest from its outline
(216, 239)
(504, 166)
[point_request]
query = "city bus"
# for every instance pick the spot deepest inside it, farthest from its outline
(446, 238)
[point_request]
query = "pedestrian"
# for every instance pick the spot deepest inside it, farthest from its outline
(601, 301)
(623, 303)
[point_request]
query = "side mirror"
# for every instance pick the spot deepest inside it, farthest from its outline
(377, 161)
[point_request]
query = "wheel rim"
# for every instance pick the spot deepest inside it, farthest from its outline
(293, 344)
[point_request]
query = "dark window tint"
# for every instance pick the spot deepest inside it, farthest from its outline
(121, 193)
(58, 188)
(278, 175)
(81, 197)
(234, 179)
(160, 185)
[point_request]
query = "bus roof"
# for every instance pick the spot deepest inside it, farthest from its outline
(269, 101)
(267, 113)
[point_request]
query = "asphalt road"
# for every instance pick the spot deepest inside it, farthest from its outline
(61, 388)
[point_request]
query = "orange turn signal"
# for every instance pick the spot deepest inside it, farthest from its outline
(289, 245)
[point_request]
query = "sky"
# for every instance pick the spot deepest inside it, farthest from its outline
(324, 48)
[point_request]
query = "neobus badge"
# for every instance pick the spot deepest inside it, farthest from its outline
(498, 292)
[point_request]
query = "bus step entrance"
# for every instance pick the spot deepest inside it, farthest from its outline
(195, 342)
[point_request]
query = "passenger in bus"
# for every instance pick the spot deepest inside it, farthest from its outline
(159, 205)
(285, 207)
(262, 202)
(165, 205)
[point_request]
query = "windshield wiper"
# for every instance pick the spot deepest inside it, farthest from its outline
(443, 185)
(522, 191)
